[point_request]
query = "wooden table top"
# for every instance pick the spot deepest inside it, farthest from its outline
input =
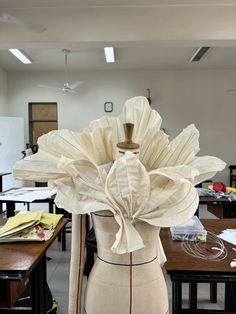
(23, 256)
(178, 260)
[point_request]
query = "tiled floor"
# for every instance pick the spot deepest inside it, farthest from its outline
(58, 269)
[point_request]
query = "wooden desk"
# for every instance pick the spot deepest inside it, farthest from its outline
(11, 206)
(184, 268)
(220, 207)
(20, 262)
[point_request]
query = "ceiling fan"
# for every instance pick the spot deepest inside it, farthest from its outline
(10, 19)
(68, 88)
(231, 90)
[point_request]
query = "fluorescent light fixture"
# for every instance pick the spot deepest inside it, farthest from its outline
(109, 54)
(199, 53)
(21, 55)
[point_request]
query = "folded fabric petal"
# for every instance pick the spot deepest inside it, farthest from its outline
(180, 206)
(117, 134)
(40, 167)
(127, 186)
(61, 142)
(165, 182)
(182, 149)
(152, 148)
(82, 190)
(97, 145)
(163, 197)
(137, 110)
(127, 238)
(207, 166)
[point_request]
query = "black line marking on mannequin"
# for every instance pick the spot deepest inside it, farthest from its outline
(101, 215)
(135, 264)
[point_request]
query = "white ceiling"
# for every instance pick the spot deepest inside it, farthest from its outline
(150, 55)
(88, 3)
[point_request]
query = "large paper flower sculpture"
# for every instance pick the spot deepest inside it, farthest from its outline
(158, 188)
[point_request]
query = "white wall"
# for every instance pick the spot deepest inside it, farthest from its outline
(3, 93)
(11, 146)
(181, 97)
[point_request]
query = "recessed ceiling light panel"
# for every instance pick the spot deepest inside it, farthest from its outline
(21, 55)
(109, 54)
(197, 56)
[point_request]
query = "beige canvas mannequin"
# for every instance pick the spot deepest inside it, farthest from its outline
(155, 190)
(131, 282)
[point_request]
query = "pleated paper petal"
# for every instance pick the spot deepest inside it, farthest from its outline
(207, 166)
(128, 185)
(85, 192)
(182, 149)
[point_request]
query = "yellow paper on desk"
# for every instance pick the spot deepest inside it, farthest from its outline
(50, 219)
(21, 220)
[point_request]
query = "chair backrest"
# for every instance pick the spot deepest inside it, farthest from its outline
(232, 178)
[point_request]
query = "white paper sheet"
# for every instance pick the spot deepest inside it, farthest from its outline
(27, 194)
(228, 235)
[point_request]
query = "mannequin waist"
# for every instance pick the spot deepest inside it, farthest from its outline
(106, 227)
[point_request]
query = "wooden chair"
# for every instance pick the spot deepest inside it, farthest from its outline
(232, 178)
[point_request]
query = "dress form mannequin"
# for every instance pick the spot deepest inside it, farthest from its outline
(130, 283)
(157, 189)
(125, 283)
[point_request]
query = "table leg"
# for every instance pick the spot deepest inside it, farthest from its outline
(63, 239)
(10, 206)
(39, 282)
(213, 292)
(50, 207)
(0, 191)
(192, 296)
(176, 297)
(230, 301)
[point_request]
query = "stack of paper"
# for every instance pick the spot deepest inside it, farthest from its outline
(29, 226)
(228, 235)
(28, 194)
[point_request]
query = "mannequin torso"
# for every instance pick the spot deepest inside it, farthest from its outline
(130, 283)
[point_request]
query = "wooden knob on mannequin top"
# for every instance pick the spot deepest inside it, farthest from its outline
(128, 144)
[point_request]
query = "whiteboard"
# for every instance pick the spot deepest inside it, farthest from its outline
(11, 146)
